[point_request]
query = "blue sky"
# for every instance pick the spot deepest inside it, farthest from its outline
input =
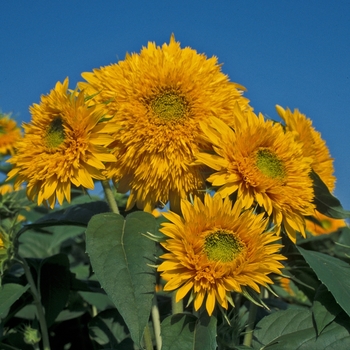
(292, 53)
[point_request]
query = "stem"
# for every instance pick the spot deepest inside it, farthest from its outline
(248, 337)
(156, 323)
(110, 196)
(147, 338)
(37, 303)
(176, 306)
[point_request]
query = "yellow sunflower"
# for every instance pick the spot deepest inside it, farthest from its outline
(6, 188)
(313, 145)
(157, 98)
(264, 165)
(326, 225)
(63, 145)
(215, 250)
(9, 134)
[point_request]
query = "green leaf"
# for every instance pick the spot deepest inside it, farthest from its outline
(279, 323)
(324, 308)
(77, 215)
(54, 285)
(325, 202)
(293, 330)
(120, 255)
(48, 243)
(108, 327)
(333, 273)
(9, 293)
(101, 301)
(185, 331)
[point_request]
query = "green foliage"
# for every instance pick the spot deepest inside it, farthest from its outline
(325, 202)
(294, 329)
(120, 255)
(185, 331)
(9, 293)
(333, 273)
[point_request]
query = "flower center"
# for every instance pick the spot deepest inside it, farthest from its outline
(326, 224)
(55, 133)
(222, 246)
(169, 106)
(268, 163)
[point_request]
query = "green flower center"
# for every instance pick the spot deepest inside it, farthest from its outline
(269, 164)
(222, 246)
(169, 106)
(55, 133)
(326, 224)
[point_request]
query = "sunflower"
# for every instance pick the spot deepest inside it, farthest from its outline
(5, 188)
(325, 224)
(215, 250)
(264, 165)
(63, 145)
(313, 145)
(158, 97)
(9, 134)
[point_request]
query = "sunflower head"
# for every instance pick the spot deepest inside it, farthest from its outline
(157, 98)
(63, 144)
(264, 166)
(9, 134)
(313, 144)
(214, 250)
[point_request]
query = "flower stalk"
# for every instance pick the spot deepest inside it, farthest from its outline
(110, 197)
(38, 305)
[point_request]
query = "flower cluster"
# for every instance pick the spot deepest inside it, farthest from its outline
(164, 124)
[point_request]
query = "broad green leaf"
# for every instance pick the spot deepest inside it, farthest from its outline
(99, 300)
(120, 255)
(77, 215)
(324, 309)
(325, 202)
(279, 323)
(185, 331)
(293, 330)
(54, 285)
(46, 242)
(333, 273)
(36, 245)
(9, 293)
(108, 328)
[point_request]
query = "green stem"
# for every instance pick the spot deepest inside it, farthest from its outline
(110, 197)
(147, 338)
(37, 303)
(248, 337)
(156, 323)
(177, 307)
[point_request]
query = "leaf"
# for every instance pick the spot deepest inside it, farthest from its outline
(101, 301)
(54, 285)
(333, 273)
(9, 293)
(48, 243)
(293, 330)
(325, 202)
(324, 308)
(185, 331)
(108, 327)
(77, 215)
(119, 255)
(271, 327)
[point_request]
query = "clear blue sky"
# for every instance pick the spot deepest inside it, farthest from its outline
(292, 53)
